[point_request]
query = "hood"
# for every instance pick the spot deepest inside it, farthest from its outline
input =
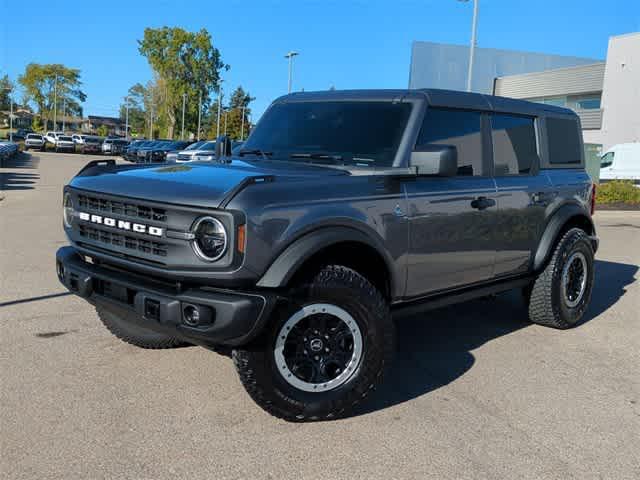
(202, 184)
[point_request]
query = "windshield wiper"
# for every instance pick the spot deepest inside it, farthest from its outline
(318, 156)
(254, 151)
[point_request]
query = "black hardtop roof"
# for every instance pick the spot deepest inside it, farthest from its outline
(435, 97)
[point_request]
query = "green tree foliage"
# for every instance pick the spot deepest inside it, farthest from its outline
(5, 92)
(185, 63)
(36, 124)
(41, 82)
(231, 117)
(102, 130)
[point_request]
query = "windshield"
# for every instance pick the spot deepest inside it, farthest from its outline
(194, 146)
(356, 132)
(64, 138)
(33, 136)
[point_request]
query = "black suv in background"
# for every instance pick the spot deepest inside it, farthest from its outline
(340, 209)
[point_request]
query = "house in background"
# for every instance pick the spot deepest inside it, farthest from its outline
(114, 125)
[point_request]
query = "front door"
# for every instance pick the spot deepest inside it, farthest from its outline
(451, 219)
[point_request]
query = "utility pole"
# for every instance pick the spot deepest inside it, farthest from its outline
(151, 129)
(226, 113)
(126, 117)
(10, 116)
(199, 113)
(472, 47)
(64, 113)
(242, 125)
(219, 106)
(55, 103)
(290, 56)
(184, 102)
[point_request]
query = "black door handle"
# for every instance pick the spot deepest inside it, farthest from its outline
(482, 202)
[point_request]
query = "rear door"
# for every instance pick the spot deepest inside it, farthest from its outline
(523, 193)
(451, 218)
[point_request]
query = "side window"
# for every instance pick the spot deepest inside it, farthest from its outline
(564, 140)
(606, 160)
(514, 144)
(459, 128)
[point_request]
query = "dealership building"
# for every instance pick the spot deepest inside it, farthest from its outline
(604, 93)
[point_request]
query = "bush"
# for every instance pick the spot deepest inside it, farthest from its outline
(618, 191)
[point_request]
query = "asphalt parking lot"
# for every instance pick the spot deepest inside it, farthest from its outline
(476, 392)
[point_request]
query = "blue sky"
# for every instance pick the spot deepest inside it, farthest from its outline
(349, 43)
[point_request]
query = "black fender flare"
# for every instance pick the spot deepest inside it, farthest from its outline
(299, 251)
(558, 220)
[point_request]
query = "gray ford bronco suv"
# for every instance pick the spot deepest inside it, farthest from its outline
(341, 208)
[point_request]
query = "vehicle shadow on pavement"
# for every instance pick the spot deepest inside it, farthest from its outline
(434, 348)
(14, 180)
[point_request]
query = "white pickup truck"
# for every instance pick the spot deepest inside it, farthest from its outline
(621, 162)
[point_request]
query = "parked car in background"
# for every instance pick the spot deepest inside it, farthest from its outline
(158, 151)
(118, 146)
(34, 140)
(173, 156)
(91, 145)
(51, 137)
(204, 151)
(106, 145)
(64, 143)
(20, 134)
(8, 150)
(131, 152)
(621, 162)
(78, 139)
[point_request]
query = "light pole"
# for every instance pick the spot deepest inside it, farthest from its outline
(226, 112)
(64, 113)
(219, 107)
(184, 103)
(242, 125)
(9, 89)
(55, 103)
(126, 117)
(290, 56)
(472, 47)
(151, 124)
(199, 113)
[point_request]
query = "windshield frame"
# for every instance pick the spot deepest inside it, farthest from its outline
(416, 100)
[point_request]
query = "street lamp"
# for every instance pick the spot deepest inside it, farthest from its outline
(474, 26)
(290, 56)
(126, 121)
(184, 102)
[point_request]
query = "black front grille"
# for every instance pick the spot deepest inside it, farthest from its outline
(127, 209)
(107, 237)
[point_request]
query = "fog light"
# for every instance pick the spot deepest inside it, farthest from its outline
(196, 315)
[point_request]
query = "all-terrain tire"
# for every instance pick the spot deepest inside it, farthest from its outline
(547, 303)
(350, 291)
(134, 334)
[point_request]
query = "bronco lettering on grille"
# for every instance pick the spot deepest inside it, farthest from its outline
(121, 224)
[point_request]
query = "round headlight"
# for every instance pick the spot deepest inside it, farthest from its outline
(210, 241)
(67, 210)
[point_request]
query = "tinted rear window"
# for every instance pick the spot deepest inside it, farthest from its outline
(514, 144)
(564, 141)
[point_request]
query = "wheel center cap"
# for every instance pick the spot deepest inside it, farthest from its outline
(316, 345)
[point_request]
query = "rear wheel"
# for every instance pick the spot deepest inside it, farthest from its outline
(560, 295)
(135, 334)
(324, 352)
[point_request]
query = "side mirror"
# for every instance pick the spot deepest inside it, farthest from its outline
(440, 160)
(223, 147)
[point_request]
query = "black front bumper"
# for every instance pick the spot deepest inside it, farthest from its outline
(227, 317)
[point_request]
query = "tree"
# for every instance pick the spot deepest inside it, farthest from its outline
(232, 115)
(102, 130)
(6, 88)
(139, 100)
(185, 63)
(48, 83)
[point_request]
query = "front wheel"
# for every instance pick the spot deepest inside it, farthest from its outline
(560, 295)
(324, 352)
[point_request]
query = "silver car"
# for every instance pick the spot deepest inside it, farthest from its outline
(34, 140)
(64, 143)
(203, 150)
